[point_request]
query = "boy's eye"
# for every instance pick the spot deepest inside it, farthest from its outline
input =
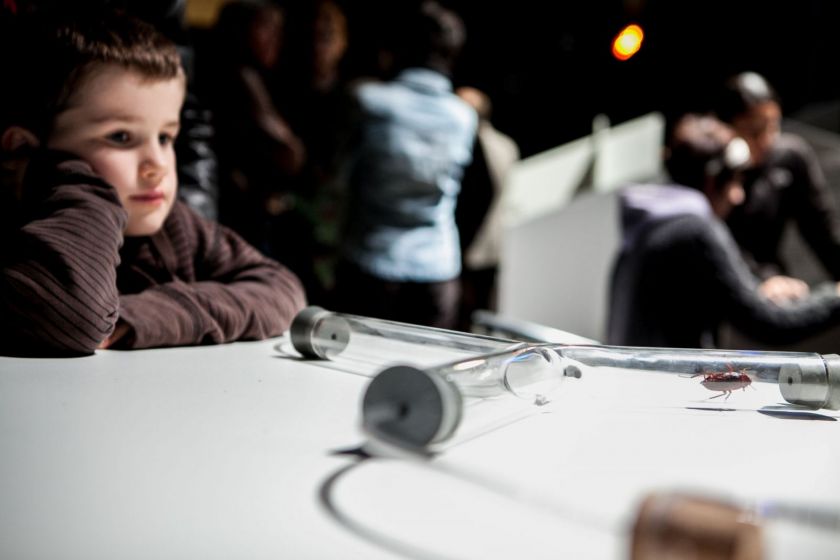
(120, 137)
(166, 139)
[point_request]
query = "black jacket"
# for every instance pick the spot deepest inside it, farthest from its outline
(680, 274)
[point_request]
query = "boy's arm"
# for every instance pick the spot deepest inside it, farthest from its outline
(239, 294)
(58, 293)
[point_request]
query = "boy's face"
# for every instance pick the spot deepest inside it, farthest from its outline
(124, 126)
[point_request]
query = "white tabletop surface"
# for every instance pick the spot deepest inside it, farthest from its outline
(227, 452)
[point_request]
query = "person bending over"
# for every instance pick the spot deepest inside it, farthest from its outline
(679, 274)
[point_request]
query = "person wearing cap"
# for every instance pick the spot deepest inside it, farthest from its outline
(679, 273)
(783, 185)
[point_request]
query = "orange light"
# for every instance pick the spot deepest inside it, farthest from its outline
(628, 42)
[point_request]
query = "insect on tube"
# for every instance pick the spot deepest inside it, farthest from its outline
(423, 405)
(807, 379)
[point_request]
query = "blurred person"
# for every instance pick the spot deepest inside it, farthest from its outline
(478, 213)
(311, 90)
(784, 184)
(679, 274)
(260, 155)
(321, 42)
(413, 138)
(258, 151)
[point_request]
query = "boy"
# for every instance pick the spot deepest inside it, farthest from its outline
(98, 252)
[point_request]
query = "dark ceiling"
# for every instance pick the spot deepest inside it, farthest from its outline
(549, 69)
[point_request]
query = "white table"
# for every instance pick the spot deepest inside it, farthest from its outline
(226, 452)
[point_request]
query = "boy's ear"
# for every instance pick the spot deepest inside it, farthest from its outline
(17, 137)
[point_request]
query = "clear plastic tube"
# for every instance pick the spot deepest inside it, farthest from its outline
(432, 395)
(535, 371)
(762, 366)
(363, 342)
(414, 401)
(423, 407)
(807, 379)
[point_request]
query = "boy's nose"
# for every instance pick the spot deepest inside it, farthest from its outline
(153, 166)
(151, 171)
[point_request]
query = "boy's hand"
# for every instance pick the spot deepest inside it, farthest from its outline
(119, 331)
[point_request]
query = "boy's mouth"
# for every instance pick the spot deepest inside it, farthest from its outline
(153, 197)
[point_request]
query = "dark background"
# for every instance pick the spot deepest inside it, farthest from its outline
(549, 69)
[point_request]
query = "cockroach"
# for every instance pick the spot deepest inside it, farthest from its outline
(725, 382)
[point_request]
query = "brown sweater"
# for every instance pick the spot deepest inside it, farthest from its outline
(66, 280)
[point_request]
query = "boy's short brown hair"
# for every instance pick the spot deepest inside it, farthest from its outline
(49, 60)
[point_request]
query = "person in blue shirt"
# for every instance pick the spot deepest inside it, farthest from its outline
(412, 139)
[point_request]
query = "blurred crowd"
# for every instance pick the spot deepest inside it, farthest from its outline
(378, 182)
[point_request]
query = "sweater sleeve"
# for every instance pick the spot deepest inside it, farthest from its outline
(237, 293)
(59, 294)
(754, 314)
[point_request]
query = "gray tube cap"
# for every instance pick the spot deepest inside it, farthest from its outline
(832, 365)
(811, 384)
(318, 333)
(412, 408)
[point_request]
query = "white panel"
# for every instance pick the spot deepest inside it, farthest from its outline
(545, 182)
(629, 152)
(555, 270)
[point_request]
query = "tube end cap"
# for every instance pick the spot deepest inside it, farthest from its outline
(411, 407)
(319, 334)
